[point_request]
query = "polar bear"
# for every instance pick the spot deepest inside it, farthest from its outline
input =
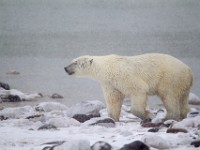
(138, 77)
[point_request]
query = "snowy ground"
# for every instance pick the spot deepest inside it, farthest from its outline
(19, 128)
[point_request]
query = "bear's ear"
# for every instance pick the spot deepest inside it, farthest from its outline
(91, 61)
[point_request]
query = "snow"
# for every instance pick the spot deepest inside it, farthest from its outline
(194, 99)
(18, 132)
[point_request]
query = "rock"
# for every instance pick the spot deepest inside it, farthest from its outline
(188, 122)
(56, 96)
(14, 95)
(101, 145)
(3, 118)
(156, 142)
(169, 123)
(196, 143)
(4, 86)
(100, 121)
(68, 144)
(50, 106)
(193, 99)
(107, 122)
(136, 145)
(87, 108)
(47, 127)
(11, 98)
(53, 144)
(34, 116)
(150, 124)
(81, 117)
(62, 122)
(176, 130)
(153, 130)
(193, 114)
(18, 112)
(13, 72)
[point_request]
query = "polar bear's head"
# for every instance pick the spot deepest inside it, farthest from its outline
(81, 66)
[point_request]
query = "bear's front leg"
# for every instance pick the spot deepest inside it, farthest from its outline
(138, 106)
(114, 99)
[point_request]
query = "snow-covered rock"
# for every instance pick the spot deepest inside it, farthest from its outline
(51, 106)
(101, 145)
(74, 144)
(193, 99)
(18, 112)
(86, 107)
(188, 122)
(16, 95)
(62, 122)
(156, 142)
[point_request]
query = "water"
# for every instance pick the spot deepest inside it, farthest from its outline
(39, 38)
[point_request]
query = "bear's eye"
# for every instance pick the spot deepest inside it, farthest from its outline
(75, 63)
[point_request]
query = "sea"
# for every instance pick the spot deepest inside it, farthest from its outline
(38, 38)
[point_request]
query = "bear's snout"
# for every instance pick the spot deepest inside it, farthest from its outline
(69, 71)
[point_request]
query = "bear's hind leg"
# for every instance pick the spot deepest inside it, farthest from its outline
(114, 100)
(138, 106)
(184, 105)
(172, 106)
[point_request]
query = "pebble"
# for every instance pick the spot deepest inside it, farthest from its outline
(56, 96)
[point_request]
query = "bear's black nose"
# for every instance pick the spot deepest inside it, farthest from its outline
(66, 69)
(69, 70)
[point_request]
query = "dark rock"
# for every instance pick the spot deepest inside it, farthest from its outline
(52, 145)
(3, 118)
(94, 115)
(107, 122)
(150, 124)
(176, 130)
(196, 143)
(34, 116)
(137, 145)
(11, 98)
(56, 96)
(193, 114)
(101, 145)
(4, 86)
(47, 127)
(81, 117)
(153, 130)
